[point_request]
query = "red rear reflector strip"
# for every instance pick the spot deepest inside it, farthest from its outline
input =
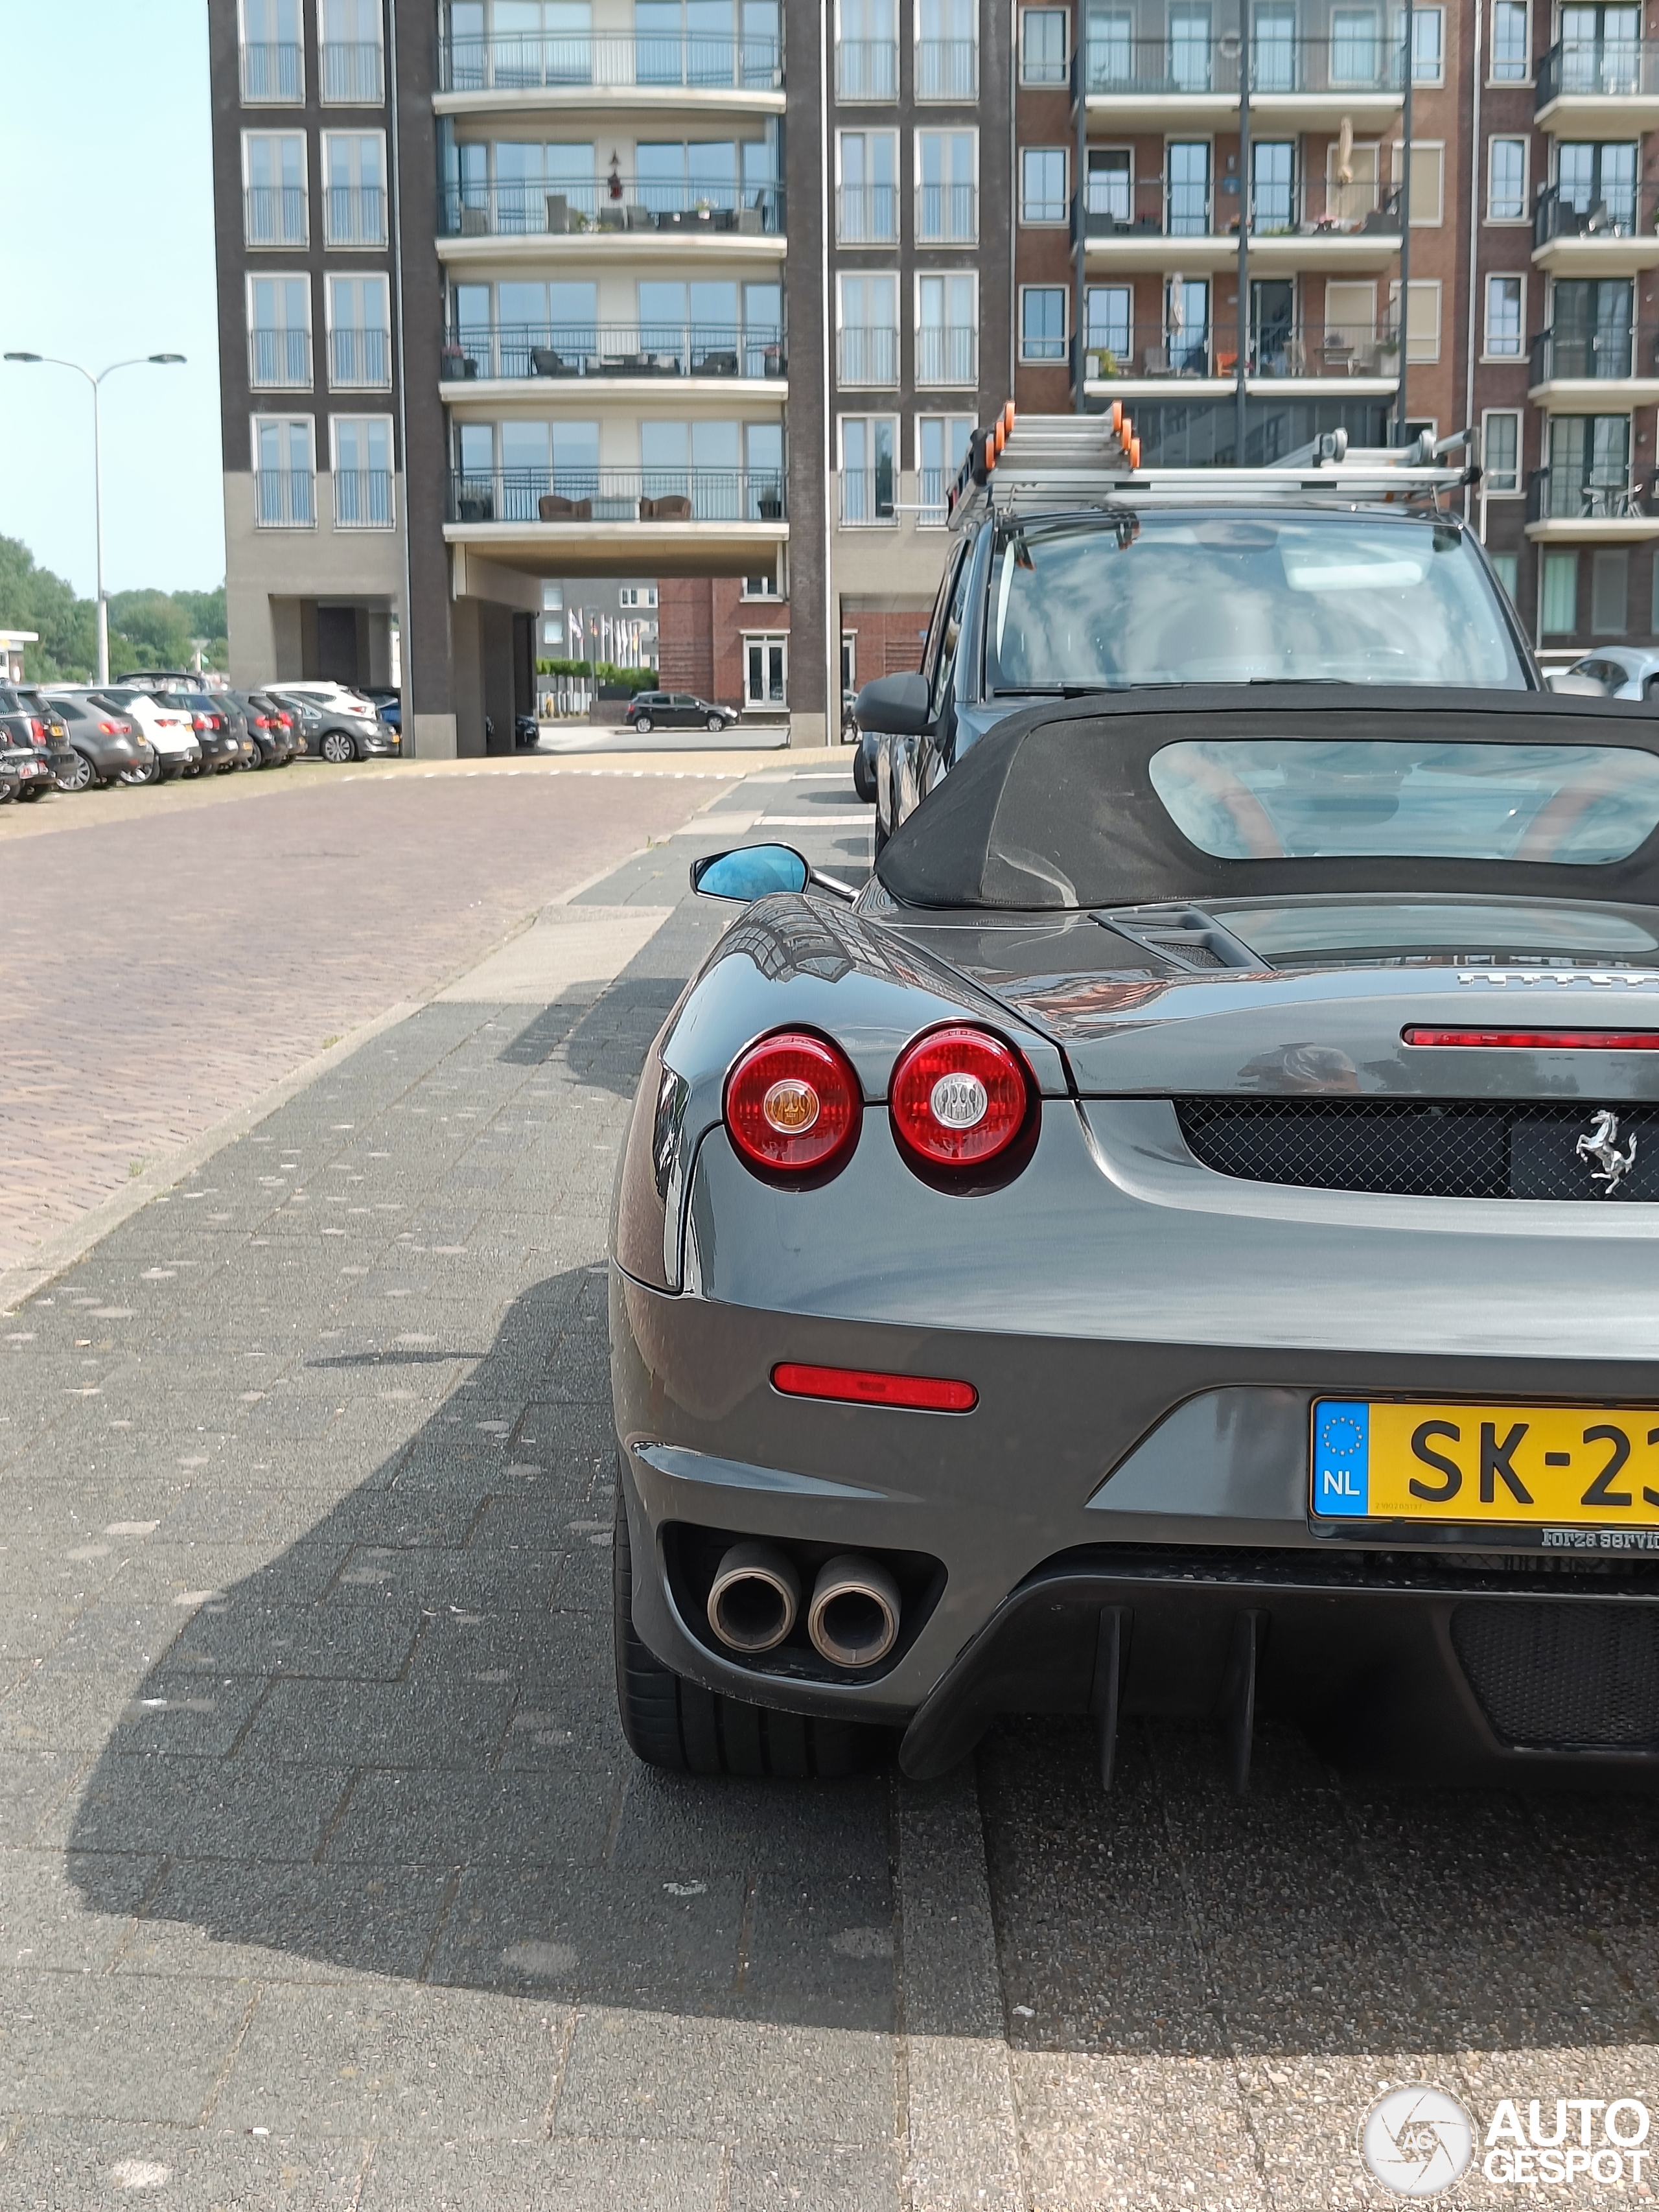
(863, 1386)
(1541, 1040)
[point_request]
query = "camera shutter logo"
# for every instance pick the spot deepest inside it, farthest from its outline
(1417, 2141)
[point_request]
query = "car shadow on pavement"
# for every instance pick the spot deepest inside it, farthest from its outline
(393, 1749)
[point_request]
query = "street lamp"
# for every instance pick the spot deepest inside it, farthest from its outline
(143, 360)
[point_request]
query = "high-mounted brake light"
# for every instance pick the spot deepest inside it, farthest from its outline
(959, 1097)
(865, 1386)
(1539, 1040)
(793, 1105)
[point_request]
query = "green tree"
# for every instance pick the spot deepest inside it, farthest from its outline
(147, 629)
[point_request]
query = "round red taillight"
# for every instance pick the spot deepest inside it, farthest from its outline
(792, 1104)
(959, 1097)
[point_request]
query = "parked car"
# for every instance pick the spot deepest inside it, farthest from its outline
(162, 679)
(35, 722)
(388, 704)
(21, 768)
(333, 733)
(107, 746)
(222, 749)
(269, 730)
(526, 731)
(323, 692)
(170, 732)
(676, 710)
(1618, 671)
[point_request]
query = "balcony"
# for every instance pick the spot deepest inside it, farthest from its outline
(354, 215)
(947, 214)
(609, 61)
(1574, 365)
(867, 353)
(284, 499)
(1613, 231)
(727, 211)
(359, 360)
(579, 499)
(1172, 224)
(1308, 83)
(511, 352)
(947, 68)
(275, 215)
(1158, 353)
(1586, 506)
(867, 499)
(353, 74)
(1597, 87)
(273, 76)
(866, 214)
(866, 69)
(947, 355)
(362, 499)
(279, 361)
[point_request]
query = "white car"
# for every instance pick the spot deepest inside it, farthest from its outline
(1622, 672)
(177, 747)
(341, 697)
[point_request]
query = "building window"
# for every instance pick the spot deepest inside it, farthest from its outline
(1428, 44)
(1500, 451)
(765, 672)
(1428, 185)
(1422, 317)
(1043, 322)
(1506, 566)
(867, 50)
(1108, 329)
(1504, 297)
(869, 450)
(1557, 599)
(947, 50)
(941, 443)
(273, 60)
(362, 472)
(1510, 60)
(1110, 188)
(866, 196)
(284, 486)
(354, 188)
(274, 195)
(279, 333)
(1610, 591)
(643, 595)
(867, 330)
(1042, 184)
(1506, 180)
(947, 330)
(359, 333)
(1043, 45)
(947, 189)
(354, 74)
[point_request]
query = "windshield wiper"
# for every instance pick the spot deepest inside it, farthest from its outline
(1055, 690)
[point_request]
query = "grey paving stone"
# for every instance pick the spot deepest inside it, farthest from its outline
(595, 1935)
(432, 1723)
(197, 1807)
(561, 2176)
(824, 2176)
(102, 2048)
(32, 1785)
(69, 1911)
(238, 1920)
(512, 1819)
(59, 2166)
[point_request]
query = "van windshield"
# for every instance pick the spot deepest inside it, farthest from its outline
(1122, 600)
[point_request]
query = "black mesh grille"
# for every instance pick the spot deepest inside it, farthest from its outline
(1424, 1148)
(1559, 1676)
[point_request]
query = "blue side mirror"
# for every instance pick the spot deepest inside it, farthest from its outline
(750, 873)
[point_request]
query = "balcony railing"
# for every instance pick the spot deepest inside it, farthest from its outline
(947, 214)
(284, 499)
(1594, 356)
(1615, 210)
(353, 74)
(279, 361)
(609, 61)
(362, 499)
(866, 69)
(866, 214)
(947, 68)
(273, 76)
(931, 486)
(583, 349)
(579, 494)
(947, 354)
(354, 215)
(360, 360)
(1582, 494)
(866, 498)
(1293, 349)
(867, 353)
(275, 215)
(482, 211)
(1357, 61)
(1178, 208)
(1607, 69)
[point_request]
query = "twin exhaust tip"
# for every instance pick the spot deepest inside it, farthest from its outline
(852, 1618)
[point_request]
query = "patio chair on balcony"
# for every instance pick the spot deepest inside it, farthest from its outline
(456, 365)
(475, 222)
(625, 364)
(475, 506)
(1155, 361)
(672, 506)
(560, 218)
(612, 218)
(720, 363)
(640, 218)
(553, 507)
(1338, 356)
(544, 361)
(769, 505)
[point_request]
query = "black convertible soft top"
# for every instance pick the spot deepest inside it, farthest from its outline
(1055, 808)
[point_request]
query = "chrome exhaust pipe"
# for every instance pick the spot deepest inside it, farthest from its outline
(754, 1598)
(853, 1618)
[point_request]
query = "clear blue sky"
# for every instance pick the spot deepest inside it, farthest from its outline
(107, 212)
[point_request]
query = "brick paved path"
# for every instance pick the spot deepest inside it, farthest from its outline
(168, 961)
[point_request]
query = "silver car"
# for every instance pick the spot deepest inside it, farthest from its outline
(1622, 672)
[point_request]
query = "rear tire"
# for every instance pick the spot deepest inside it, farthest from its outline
(716, 724)
(80, 777)
(337, 747)
(642, 725)
(864, 780)
(676, 1724)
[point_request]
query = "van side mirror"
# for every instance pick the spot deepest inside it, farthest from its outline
(895, 706)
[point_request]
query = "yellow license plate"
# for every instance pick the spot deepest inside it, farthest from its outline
(1556, 1467)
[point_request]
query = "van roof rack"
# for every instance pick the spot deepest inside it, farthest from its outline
(1082, 460)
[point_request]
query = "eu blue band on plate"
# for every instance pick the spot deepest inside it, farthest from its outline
(1341, 1459)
